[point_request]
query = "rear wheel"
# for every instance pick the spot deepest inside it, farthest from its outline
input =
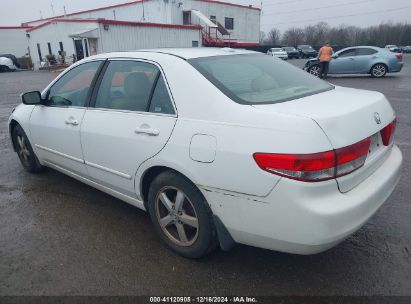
(379, 70)
(24, 150)
(314, 70)
(181, 215)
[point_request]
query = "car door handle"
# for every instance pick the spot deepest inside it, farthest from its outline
(145, 129)
(71, 121)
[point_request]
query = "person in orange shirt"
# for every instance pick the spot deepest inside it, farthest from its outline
(325, 55)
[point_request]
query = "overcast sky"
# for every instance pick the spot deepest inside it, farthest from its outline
(276, 13)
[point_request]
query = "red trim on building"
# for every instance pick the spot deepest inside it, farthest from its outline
(231, 4)
(15, 27)
(89, 11)
(137, 1)
(179, 26)
(115, 22)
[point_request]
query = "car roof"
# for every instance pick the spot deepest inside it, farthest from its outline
(185, 53)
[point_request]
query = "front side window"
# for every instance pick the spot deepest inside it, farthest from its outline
(257, 79)
(133, 86)
(229, 23)
(73, 87)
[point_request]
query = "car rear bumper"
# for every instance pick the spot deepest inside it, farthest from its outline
(304, 218)
(396, 68)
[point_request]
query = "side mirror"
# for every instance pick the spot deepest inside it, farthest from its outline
(335, 56)
(31, 98)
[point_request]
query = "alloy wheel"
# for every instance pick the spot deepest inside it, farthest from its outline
(22, 149)
(315, 70)
(177, 217)
(379, 70)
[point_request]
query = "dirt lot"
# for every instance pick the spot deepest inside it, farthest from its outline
(61, 237)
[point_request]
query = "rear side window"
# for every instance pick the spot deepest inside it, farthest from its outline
(363, 52)
(133, 86)
(258, 79)
(161, 102)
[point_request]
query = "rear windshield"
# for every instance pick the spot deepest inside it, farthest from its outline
(258, 78)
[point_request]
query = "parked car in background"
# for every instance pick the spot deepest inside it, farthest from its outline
(316, 160)
(393, 48)
(13, 58)
(360, 60)
(278, 52)
(7, 65)
(307, 51)
(291, 52)
(406, 49)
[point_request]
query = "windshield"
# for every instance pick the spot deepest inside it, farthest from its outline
(258, 79)
(276, 50)
(305, 47)
(289, 48)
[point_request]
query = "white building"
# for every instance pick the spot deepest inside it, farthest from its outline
(86, 37)
(144, 24)
(13, 40)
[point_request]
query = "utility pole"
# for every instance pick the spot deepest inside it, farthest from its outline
(52, 8)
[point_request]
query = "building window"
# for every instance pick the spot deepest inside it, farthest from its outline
(194, 43)
(49, 46)
(186, 18)
(213, 19)
(39, 52)
(229, 23)
(61, 46)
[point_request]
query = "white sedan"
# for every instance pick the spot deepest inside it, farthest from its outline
(278, 53)
(220, 146)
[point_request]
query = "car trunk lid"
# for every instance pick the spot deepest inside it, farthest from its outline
(346, 116)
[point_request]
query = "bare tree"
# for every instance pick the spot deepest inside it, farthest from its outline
(293, 36)
(274, 37)
(262, 37)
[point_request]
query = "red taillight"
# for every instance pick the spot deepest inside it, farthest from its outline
(399, 56)
(317, 166)
(387, 134)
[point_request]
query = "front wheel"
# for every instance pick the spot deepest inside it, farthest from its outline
(314, 70)
(25, 152)
(379, 70)
(181, 216)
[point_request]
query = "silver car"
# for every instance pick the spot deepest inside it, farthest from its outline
(360, 60)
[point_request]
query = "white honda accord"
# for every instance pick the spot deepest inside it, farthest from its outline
(220, 146)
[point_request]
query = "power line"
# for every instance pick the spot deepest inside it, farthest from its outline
(341, 16)
(319, 8)
(281, 3)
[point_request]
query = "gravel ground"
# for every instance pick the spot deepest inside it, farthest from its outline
(61, 237)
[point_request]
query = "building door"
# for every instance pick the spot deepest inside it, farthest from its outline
(92, 43)
(78, 45)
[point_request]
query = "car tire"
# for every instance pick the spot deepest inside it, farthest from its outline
(181, 215)
(379, 70)
(25, 151)
(314, 70)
